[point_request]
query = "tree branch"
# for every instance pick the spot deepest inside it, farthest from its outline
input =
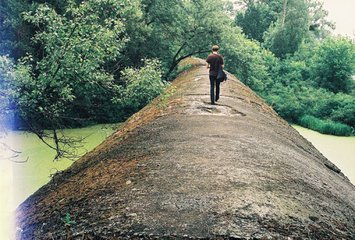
(65, 50)
(177, 61)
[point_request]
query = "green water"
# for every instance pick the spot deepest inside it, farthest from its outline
(339, 150)
(22, 175)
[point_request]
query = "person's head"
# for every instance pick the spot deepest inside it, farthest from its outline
(215, 48)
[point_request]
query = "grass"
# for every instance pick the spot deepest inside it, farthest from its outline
(165, 96)
(67, 220)
(183, 67)
(325, 126)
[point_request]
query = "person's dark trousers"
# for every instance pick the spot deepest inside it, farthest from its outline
(213, 82)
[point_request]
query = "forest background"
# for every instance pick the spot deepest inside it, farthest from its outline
(75, 63)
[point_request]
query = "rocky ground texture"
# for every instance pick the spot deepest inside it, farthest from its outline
(182, 168)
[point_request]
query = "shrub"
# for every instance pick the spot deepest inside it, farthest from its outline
(326, 126)
(142, 85)
(334, 64)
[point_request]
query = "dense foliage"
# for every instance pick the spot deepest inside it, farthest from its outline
(310, 73)
(73, 63)
(141, 86)
(6, 90)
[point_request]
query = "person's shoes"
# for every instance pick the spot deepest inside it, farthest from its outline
(212, 103)
(217, 99)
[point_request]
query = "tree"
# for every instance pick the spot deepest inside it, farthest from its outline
(319, 26)
(180, 29)
(256, 19)
(244, 57)
(75, 48)
(287, 33)
(334, 65)
(142, 85)
(14, 33)
(6, 91)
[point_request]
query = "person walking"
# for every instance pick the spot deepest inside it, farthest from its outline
(214, 61)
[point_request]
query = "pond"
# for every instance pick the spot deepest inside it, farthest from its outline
(339, 150)
(22, 175)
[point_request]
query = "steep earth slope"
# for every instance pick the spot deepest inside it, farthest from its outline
(184, 169)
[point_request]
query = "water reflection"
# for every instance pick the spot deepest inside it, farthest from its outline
(27, 164)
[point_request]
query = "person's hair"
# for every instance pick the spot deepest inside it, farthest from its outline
(215, 48)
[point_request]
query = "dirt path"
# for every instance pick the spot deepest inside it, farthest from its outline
(184, 169)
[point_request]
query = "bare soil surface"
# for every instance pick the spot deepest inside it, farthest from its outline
(182, 168)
